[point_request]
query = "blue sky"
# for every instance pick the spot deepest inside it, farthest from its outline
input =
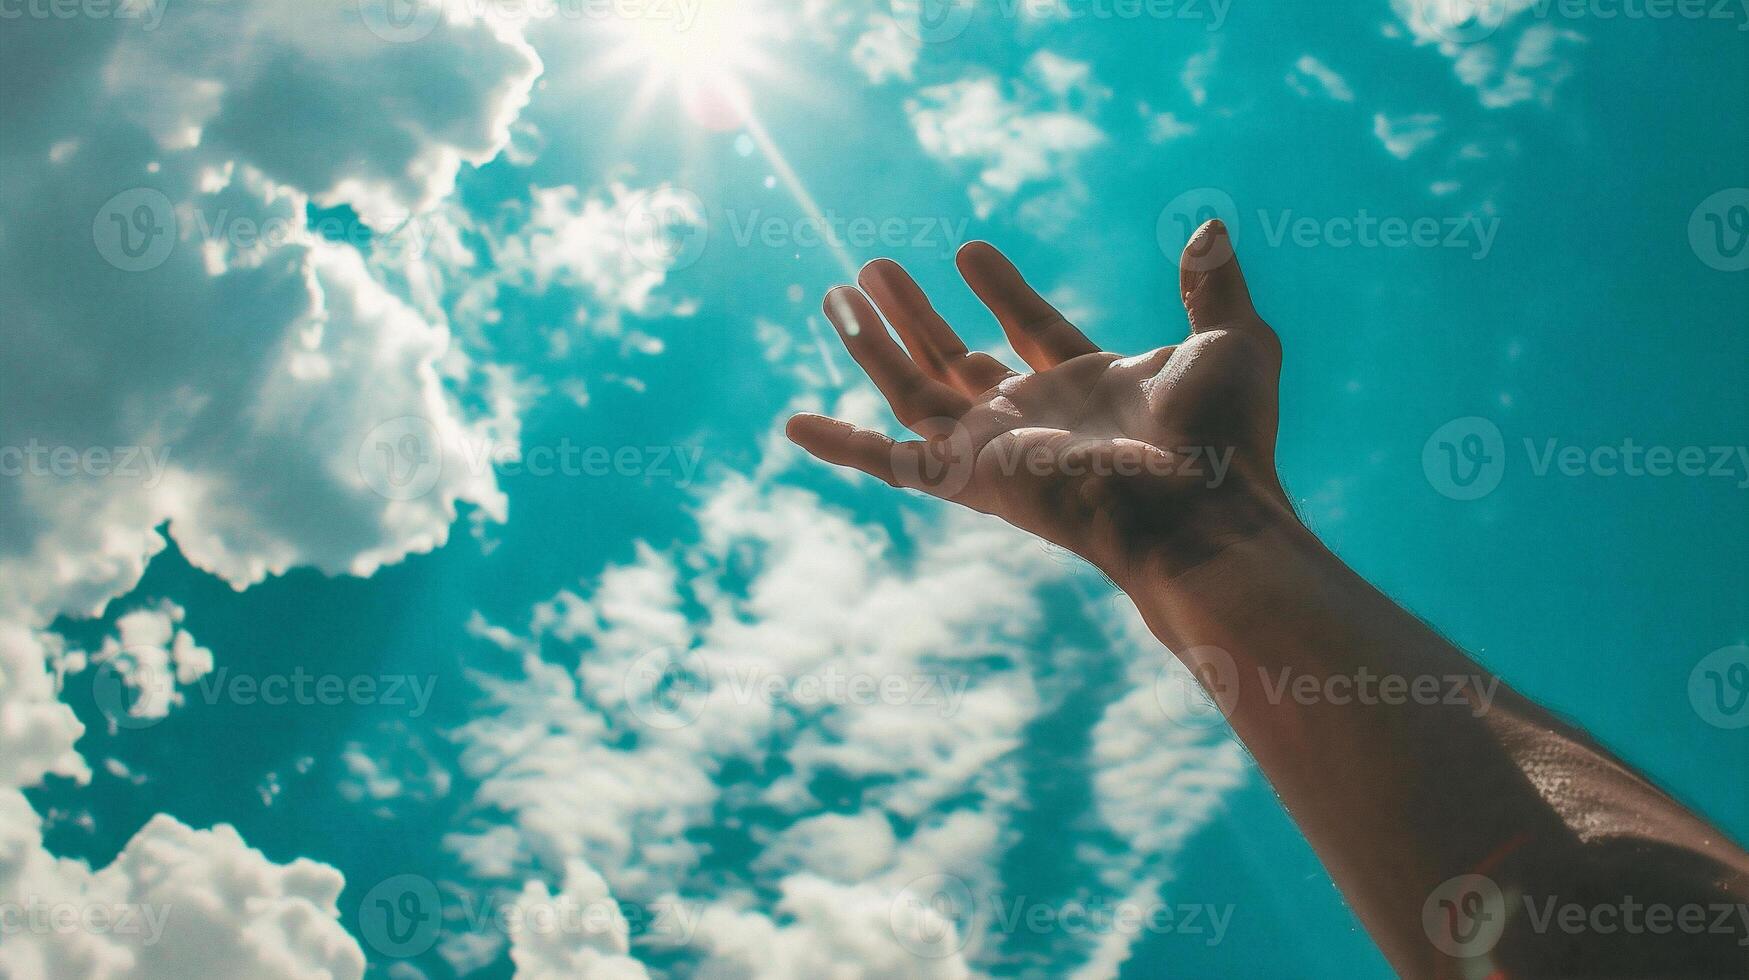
(405, 572)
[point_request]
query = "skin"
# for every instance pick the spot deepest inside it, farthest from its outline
(1461, 824)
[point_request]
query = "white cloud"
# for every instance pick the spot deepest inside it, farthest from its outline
(1198, 68)
(1403, 135)
(254, 365)
(884, 52)
(837, 846)
(1492, 49)
(780, 590)
(849, 932)
(1533, 72)
(1309, 73)
(176, 902)
(1030, 141)
(577, 934)
(1164, 127)
(37, 729)
(617, 246)
(152, 655)
(183, 350)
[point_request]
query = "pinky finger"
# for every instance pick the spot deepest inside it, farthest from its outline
(842, 444)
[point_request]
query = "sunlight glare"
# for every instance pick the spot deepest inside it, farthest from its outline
(708, 57)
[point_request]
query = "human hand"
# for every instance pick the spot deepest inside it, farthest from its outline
(1153, 462)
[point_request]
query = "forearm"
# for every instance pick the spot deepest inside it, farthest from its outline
(1404, 762)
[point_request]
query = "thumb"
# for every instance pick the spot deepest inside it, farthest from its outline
(1209, 280)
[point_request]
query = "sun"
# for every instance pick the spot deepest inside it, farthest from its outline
(712, 54)
(707, 51)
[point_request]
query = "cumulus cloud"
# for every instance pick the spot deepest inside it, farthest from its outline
(578, 934)
(186, 351)
(176, 902)
(1026, 137)
(37, 729)
(151, 655)
(161, 265)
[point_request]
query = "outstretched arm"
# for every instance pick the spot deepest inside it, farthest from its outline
(1469, 829)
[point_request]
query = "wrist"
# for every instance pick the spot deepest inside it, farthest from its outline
(1188, 576)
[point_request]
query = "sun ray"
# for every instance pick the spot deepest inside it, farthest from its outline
(787, 176)
(710, 65)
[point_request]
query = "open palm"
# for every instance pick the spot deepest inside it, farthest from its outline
(1096, 452)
